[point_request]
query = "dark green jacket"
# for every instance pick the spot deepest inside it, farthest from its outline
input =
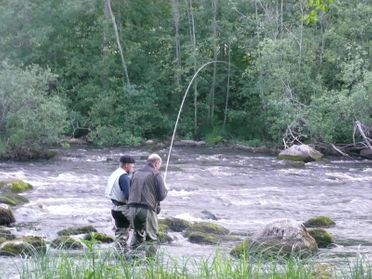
(147, 188)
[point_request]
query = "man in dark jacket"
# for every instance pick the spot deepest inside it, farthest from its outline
(147, 191)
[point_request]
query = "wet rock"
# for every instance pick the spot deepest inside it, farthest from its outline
(77, 230)
(66, 242)
(205, 227)
(301, 152)
(203, 238)
(175, 224)
(241, 249)
(163, 236)
(100, 237)
(15, 186)
(323, 238)
(5, 235)
(209, 215)
(12, 199)
(284, 238)
(206, 233)
(320, 222)
(28, 245)
(6, 215)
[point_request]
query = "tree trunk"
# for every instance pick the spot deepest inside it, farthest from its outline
(212, 91)
(228, 86)
(125, 69)
(176, 19)
(193, 40)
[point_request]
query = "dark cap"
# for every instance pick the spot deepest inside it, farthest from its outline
(126, 159)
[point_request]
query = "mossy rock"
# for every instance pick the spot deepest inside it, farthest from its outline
(66, 242)
(15, 186)
(6, 215)
(77, 230)
(163, 236)
(319, 222)
(99, 237)
(28, 245)
(241, 249)
(12, 199)
(6, 234)
(322, 237)
(204, 238)
(175, 224)
(205, 227)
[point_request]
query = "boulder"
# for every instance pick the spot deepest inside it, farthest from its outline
(66, 242)
(77, 230)
(209, 215)
(204, 238)
(175, 224)
(6, 215)
(15, 186)
(323, 238)
(28, 245)
(320, 222)
(301, 152)
(163, 236)
(99, 237)
(5, 234)
(207, 233)
(284, 238)
(12, 199)
(205, 227)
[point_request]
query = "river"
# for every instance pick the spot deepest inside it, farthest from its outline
(244, 190)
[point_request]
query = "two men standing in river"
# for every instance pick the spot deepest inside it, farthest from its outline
(136, 204)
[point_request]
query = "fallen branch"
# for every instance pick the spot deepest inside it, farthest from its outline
(339, 151)
(362, 133)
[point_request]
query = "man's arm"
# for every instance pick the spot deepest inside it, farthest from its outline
(161, 189)
(124, 183)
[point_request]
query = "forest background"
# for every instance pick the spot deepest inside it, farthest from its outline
(115, 71)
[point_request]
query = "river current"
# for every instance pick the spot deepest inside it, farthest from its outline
(244, 190)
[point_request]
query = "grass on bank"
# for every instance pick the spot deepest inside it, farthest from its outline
(99, 264)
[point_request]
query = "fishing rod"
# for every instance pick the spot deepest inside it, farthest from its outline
(179, 112)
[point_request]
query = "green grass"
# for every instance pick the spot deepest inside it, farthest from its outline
(103, 264)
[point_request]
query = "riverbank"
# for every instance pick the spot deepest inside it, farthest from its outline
(98, 264)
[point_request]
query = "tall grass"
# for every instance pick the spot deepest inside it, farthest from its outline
(97, 264)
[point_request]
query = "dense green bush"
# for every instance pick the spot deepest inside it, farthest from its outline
(31, 116)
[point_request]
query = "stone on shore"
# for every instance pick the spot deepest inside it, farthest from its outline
(301, 152)
(6, 215)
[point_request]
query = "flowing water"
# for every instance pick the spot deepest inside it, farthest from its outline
(245, 191)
